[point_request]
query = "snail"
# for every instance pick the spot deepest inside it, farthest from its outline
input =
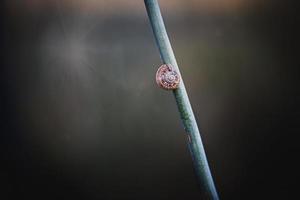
(167, 77)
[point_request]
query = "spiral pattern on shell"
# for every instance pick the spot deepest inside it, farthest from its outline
(167, 77)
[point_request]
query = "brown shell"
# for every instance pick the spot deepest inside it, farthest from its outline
(167, 77)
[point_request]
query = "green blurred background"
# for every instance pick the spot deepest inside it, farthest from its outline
(82, 118)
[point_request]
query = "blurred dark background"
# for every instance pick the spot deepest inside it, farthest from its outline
(82, 118)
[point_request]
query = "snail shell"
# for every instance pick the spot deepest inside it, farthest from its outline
(167, 77)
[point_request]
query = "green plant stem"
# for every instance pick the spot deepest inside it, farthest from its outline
(183, 103)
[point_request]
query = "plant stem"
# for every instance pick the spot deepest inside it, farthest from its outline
(186, 113)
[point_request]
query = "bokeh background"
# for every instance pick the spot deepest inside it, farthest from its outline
(82, 118)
